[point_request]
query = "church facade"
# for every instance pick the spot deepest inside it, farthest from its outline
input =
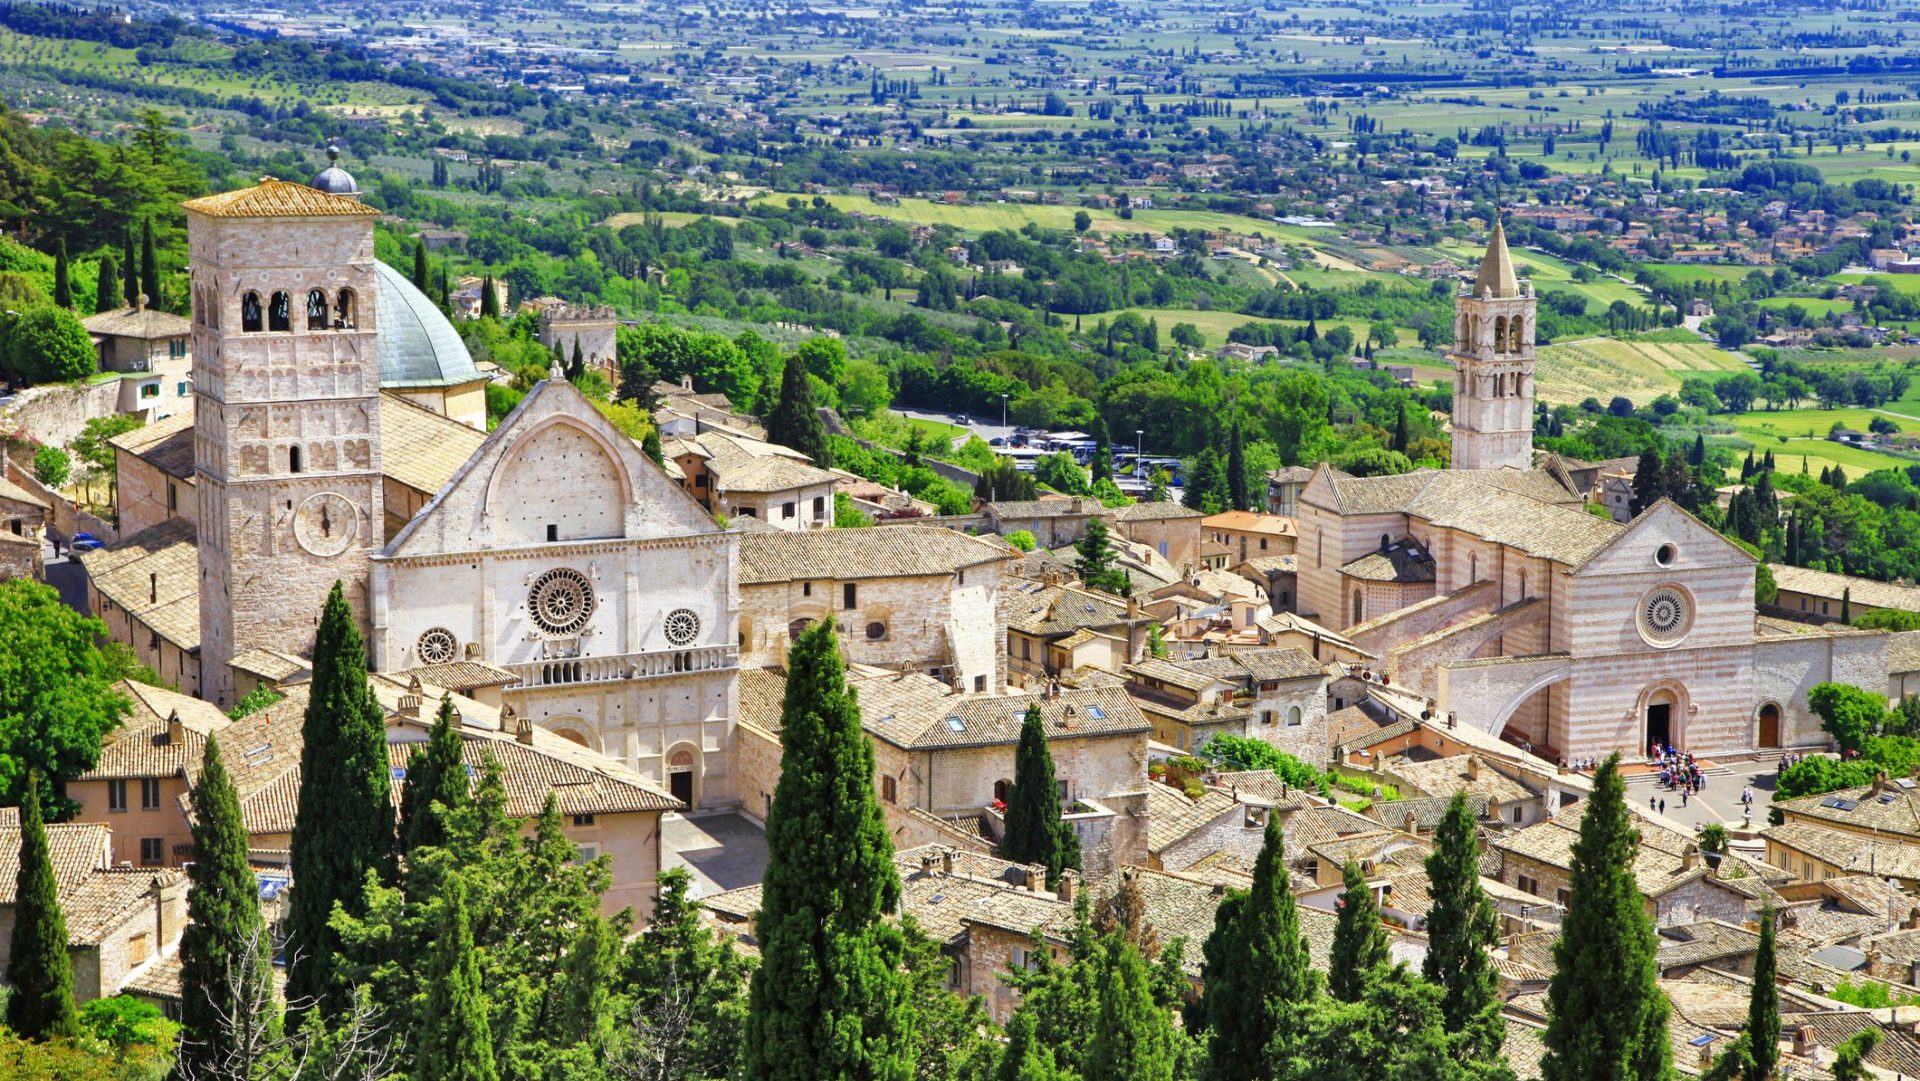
(557, 553)
(1489, 589)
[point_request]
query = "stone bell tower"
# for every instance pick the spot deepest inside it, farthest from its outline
(286, 382)
(1493, 360)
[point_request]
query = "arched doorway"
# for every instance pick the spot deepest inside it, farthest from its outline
(1663, 713)
(1770, 725)
(681, 776)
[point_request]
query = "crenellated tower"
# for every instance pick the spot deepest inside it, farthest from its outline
(1493, 360)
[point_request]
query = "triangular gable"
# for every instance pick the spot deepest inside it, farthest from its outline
(1319, 489)
(1696, 545)
(459, 518)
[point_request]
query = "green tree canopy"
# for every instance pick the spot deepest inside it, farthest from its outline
(57, 699)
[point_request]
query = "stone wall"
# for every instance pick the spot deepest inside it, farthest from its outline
(1239, 831)
(55, 413)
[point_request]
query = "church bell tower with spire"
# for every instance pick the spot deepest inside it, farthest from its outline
(1493, 359)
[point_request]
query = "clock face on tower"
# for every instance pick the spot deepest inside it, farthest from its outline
(326, 524)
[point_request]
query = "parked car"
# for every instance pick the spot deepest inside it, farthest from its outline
(85, 542)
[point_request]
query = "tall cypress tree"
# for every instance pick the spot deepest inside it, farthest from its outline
(1608, 1016)
(225, 964)
(1461, 928)
(457, 1041)
(1101, 467)
(437, 773)
(489, 300)
(1026, 1057)
(795, 420)
(149, 266)
(1133, 1038)
(344, 826)
(420, 279)
(1237, 468)
(129, 268)
(577, 364)
(39, 970)
(827, 999)
(1763, 1006)
(1359, 942)
(1649, 481)
(62, 277)
(106, 284)
(1035, 831)
(1093, 560)
(1257, 981)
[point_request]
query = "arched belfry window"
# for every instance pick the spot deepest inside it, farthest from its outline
(1359, 606)
(343, 315)
(316, 309)
(250, 311)
(293, 460)
(280, 312)
(1500, 334)
(1518, 325)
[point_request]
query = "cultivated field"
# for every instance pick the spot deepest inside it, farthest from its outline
(1603, 367)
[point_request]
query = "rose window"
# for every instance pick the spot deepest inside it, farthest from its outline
(682, 626)
(437, 646)
(561, 601)
(1664, 614)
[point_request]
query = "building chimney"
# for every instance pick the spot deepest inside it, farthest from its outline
(176, 730)
(1879, 783)
(946, 861)
(521, 727)
(1034, 880)
(153, 587)
(1065, 892)
(686, 383)
(1805, 1042)
(1410, 825)
(1706, 1057)
(1473, 768)
(140, 302)
(1689, 858)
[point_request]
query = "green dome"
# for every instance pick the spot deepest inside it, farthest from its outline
(418, 347)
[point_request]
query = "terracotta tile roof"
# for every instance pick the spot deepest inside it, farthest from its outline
(902, 551)
(1529, 511)
(155, 576)
(1045, 611)
(762, 691)
(769, 474)
(108, 898)
(275, 198)
(271, 665)
(1462, 773)
(141, 747)
(1864, 592)
(1853, 853)
(1172, 817)
(1708, 940)
(1154, 512)
(145, 323)
(1043, 508)
(917, 712)
(1427, 811)
(1893, 810)
(77, 848)
(166, 444)
(1246, 521)
(460, 677)
(421, 449)
(1396, 564)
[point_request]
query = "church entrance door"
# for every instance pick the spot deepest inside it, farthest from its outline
(1659, 724)
(680, 783)
(1769, 725)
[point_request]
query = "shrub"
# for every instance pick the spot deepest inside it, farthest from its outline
(48, 345)
(51, 466)
(1021, 539)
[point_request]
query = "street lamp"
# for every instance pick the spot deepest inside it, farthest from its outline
(1139, 454)
(1003, 409)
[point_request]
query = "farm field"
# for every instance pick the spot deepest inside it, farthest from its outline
(1601, 368)
(1805, 432)
(981, 217)
(1215, 325)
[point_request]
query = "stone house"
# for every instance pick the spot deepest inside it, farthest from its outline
(1821, 596)
(905, 597)
(1053, 522)
(1873, 829)
(146, 590)
(1248, 535)
(1055, 629)
(139, 786)
(1676, 885)
(1170, 529)
(1511, 800)
(1277, 696)
(729, 472)
(23, 528)
(152, 351)
(120, 920)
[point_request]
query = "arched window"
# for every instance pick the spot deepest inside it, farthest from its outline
(1293, 716)
(798, 626)
(250, 311)
(343, 313)
(316, 309)
(889, 790)
(1002, 789)
(1500, 334)
(1519, 325)
(280, 312)
(1474, 338)
(293, 459)
(1359, 606)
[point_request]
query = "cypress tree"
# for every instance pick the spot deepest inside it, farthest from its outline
(106, 284)
(1846, 604)
(457, 1041)
(1236, 468)
(1359, 942)
(827, 999)
(225, 967)
(343, 828)
(1698, 455)
(1093, 561)
(420, 279)
(129, 268)
(1102, 466)
(62, 281)
(1035, 831)
(1133, 1038)
(39, 970)
(795, 421)
(1649, 481)
(1026, 1057)
(1608, 1018)
(577, 364)
(1259, 978)
(1400, 429)
(149, 265)
(1461, 928)
(436, 774)
(1763, 1006)
(489, 300)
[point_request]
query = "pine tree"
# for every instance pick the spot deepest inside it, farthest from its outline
(149, 266)
(1608, 1018)
(795, 421)
(420, 279)
(1035, 832)
(106, 284)
(456, 1043)
(827, 998)
(437, 774)
(1461, 928)
(680, 966)
(1094, 560)
(1133, 1038)
(1207, 484)
(1649, 481)
(1236, 468)
(129, 268)
(226, 970)
(1359, 942)
(343, 829)
(62, 280)
(1026, 1057)
(1846, 605)
(1257, 979)
(489, 299)
(38, 969)
(1763, 1006)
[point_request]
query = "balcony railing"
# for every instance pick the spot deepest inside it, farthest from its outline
(624, 666)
